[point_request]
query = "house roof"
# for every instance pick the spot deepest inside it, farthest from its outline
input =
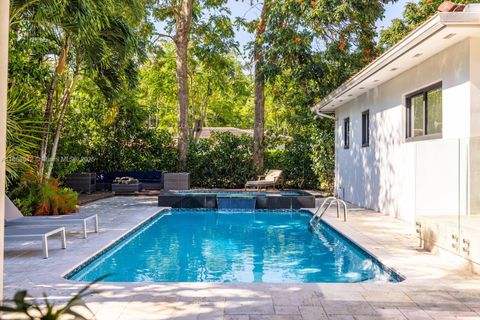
(207, 131)
(436, 34)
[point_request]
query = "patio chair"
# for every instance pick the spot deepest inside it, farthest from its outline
(36, 233)
(13, 217)
(271, 179)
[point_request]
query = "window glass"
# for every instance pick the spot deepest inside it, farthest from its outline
(418, 115)
(434, 111)
(365, 128)
(346, 133)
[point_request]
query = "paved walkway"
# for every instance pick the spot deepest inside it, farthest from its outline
(434, 288)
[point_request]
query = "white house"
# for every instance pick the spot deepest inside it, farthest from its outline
(408, 126)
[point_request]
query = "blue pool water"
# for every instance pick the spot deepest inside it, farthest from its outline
(212, 246)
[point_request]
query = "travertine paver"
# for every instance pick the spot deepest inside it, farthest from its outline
(434, 289)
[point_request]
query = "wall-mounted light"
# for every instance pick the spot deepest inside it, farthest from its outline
(417, 55)
(393, 69)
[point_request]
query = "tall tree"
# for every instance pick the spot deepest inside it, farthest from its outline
(87, 38)
(259, 91)
(298, 38)
(219, 91)
(206, 21)
(183, 20)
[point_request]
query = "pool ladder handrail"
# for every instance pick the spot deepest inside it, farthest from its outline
(317, 216)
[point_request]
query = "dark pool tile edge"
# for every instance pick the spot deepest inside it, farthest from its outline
(79, 266)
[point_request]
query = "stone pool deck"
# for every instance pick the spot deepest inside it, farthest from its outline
(434, 288)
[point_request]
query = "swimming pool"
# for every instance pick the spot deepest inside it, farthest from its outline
(212, 246)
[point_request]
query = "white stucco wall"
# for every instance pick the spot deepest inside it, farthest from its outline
(404, 178)
(474, 203)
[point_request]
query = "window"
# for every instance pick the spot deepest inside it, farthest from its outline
(346, 133)
(366, 128)
(424, 113)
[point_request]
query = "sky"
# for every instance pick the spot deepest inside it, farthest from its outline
(243, 9)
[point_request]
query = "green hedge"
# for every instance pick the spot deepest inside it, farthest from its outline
(222, 161)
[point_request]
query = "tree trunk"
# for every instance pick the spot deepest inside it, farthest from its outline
(183, 23)
(47, 116)
(56, 139)
(259, 100)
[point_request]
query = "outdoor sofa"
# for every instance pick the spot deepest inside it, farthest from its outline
(149, 179)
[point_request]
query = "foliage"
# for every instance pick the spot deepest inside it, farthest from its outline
(414, 14)
(220, 93)
(322, 155)
(44, 196)
(307, 159)
(23, 128)
(23, 304)
(225, 161)
(122, 111)
(222, 161)
(73, 39)
(103, 135)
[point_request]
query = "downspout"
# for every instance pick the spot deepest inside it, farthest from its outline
(4, 25)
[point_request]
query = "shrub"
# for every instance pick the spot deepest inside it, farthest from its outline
(322, 156)
(295, 162)
(45, 197)
(222, 161)
(307, 160)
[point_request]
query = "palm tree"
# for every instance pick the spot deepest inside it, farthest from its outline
(91, 39)
(22, 135)
(108, 59)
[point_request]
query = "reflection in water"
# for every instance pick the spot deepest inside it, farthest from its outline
(256, 246)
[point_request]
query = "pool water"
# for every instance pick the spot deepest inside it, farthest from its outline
(212, 246)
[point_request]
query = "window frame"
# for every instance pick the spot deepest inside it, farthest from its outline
(346, 133)
(366, 142)
(408, 114)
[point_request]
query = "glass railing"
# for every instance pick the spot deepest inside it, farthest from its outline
(447, 196)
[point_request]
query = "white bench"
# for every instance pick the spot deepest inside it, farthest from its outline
(36, 233)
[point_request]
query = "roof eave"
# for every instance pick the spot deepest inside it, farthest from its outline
(420, 34)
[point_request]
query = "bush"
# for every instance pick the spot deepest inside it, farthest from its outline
(222, 161)
(322, 156)
(45, 197)
(307, 160)
(295, 162)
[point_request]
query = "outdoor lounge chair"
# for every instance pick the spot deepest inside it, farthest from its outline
(271, 179)
(13, 217)
(36, 233)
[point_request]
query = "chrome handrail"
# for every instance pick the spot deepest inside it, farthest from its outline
(317, 216)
